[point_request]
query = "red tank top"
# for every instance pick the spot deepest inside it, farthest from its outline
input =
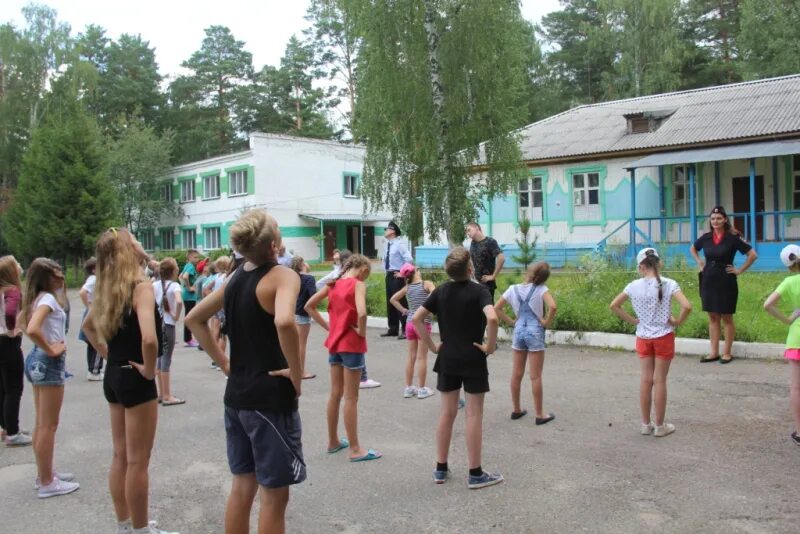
(342, 317)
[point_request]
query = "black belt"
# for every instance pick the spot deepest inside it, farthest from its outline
(391, 272)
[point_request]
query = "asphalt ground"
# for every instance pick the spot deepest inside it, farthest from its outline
(729, 467)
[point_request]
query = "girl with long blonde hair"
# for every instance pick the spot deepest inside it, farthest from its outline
(11, 361)
(123, 326)
(45, 320)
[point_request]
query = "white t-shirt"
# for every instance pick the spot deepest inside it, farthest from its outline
(536, 301)
(653, 315)
(173, 289)
(55, 321)
(328, 277)
(88, 286)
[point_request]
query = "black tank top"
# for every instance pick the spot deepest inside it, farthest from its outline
(255, 349)
(126, 345)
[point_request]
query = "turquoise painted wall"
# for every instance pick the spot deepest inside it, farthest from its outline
(558, 204)
(618, 201)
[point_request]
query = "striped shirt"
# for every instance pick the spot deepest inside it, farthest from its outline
(416, 296)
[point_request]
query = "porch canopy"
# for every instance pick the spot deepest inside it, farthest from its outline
(336, 217)
(749, 151)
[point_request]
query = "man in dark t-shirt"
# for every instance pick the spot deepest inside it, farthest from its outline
(487, 257)
(464, 310)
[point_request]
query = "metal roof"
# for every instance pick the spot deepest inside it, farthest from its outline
(344, 217)
(721, 153)
(723, 113)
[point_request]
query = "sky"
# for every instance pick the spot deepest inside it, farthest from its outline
(175, 27)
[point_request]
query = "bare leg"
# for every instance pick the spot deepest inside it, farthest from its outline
(166, 392)
(412, 358)
(474, 428)
(794, 367)
(50, 400)
(272, 516)
(730, 332)
(660, 389)
(352, 379)
(422, 363)
(517, 372)
(537, 364)
(646, 388)
(447, 416)
(334, 403)
(119, 462)
(714, 332)
(140, 433)
(303, 330)
(240, 501)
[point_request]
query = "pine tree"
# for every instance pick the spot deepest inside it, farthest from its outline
(527, 248)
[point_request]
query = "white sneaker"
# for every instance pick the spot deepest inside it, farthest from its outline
(664, 430)
(647, 429)
(369, 384)
(152, 528)
(424, 393)
(66, 477)
(57, 487)
(18, 440)
(409, 392)
(94, 377)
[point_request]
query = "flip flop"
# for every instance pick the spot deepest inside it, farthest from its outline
(707, 359)
(309, 377)
(371, 455)
(176, 402)
(726, 360)
(343, 444)
(517, 415)
(546, 419)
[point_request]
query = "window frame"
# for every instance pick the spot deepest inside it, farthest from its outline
(530, 194)
(184, 241)
(684, 184)
(795, 174)
(167, 232)
(192, 189)
(166, 192)
(353, 180)
(206, 195)
(147, 237)
(206, 245)
(232, 175)
(586, 190)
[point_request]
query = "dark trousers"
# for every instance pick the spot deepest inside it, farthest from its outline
(393, 285)
(11, 366)
(187, 334)
(93, 361)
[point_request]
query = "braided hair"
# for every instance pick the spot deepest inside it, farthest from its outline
(651, 261)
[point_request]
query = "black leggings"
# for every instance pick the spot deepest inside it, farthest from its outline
(11, 368)
(187, 334)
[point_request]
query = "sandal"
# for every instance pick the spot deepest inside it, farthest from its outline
(546, 419)
(343, 444)
(707, 359)
(175, 402)
(371, 455)
(517, 415)
(729, 359)
(310, 376)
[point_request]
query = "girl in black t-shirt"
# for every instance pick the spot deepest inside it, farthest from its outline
(719, 290)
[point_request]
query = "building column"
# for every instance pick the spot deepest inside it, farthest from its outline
(716, 184)
(632, 246)
(692, 207)
(776, 201)
(361, 238)
(662, 204)
(753, 202)
(322, 241)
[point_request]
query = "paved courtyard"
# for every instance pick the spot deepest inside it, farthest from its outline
(730, 466)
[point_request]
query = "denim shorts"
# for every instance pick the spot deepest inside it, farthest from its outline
(528, 337)
(267, 444)
(348, 360)
(44, 370)
(302, 319)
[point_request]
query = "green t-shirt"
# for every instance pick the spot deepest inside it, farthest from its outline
(789, 290)
(192, 272)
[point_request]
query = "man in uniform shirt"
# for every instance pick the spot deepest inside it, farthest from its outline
(487, 257)
(396, 255)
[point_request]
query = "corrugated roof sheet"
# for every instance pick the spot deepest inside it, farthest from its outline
(764, 149)
(723, 113)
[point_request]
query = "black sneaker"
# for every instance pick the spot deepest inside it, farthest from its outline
(389, 333)
(795, 438)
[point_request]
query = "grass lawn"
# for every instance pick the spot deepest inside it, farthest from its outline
(583, 299)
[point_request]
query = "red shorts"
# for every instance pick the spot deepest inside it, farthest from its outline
(661, 347)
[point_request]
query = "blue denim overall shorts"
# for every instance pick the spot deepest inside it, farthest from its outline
(528, 331)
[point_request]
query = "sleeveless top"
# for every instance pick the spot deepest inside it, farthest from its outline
(342, 317)
(126, 345)
(416, 296)
(255, 348)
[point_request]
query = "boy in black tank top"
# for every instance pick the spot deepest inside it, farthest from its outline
(262, 423)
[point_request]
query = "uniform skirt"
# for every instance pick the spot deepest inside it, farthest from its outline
(719, 290)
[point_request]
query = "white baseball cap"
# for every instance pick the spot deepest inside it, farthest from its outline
(649, 251)
(790, 255)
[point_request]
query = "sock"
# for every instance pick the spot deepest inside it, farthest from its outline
(124, 527)
(441, 466)
(476, 471)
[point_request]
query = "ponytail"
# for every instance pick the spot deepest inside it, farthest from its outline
(651, 261)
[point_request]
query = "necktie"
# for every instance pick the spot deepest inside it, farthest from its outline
(386, 260)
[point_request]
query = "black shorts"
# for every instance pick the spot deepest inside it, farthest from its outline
(126, 386)
(472, 384)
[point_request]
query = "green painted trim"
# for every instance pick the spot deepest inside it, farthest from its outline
(235, 168)
(345, 174)
(788, 166)
(186, 178)
(251, 178)
(215, 172)
(544, 174)
(602, 171)
(202, 182)
(180, 181)
(212, 225)
(299, 231)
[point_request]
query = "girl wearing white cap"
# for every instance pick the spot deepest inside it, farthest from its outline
(651, 297)
(789, 289)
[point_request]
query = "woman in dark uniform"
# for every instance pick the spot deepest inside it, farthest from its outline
(718, 288)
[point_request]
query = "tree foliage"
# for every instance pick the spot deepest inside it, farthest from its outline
(770, 41)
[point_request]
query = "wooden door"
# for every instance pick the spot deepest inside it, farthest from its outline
(741, 204)
(330, 240)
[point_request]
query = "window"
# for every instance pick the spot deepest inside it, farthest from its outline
(238, 183)
(211, 238)
(167, 239)
(187, 191)
(351, 186)
(680, 192)
(586, 196)
(211, 186)
(189, 238)
(166, 192)
(796, 182)
(531, 199)
(148, 239)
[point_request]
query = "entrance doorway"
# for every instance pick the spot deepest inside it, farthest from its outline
(741, 204)
(330, 240)
(356, 235)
